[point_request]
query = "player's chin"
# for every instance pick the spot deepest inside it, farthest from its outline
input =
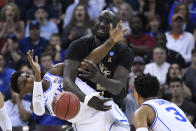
(30, 80)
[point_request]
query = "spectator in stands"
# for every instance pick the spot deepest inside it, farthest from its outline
(115, 5)
(79, 26)
(175, 71)
(52, 14)
(46, 62)
(176, 89)
(130, 102)
(18, 109)
(138, 66)
(47, 28)
(188, 26)
(5, 75)
(94, 8)
(55, 48)
(11, 52)
(159, 67)
(178, 40)
(10, 16)
(125, 13)
(153, 26)
(138, 41)
(190, 75)
(34, 41)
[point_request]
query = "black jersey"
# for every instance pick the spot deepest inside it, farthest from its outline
(118, 55)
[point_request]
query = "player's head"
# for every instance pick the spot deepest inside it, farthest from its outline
(102, 24)
(21, 82)
(146, 86)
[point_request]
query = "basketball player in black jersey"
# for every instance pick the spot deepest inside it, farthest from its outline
(109, 75)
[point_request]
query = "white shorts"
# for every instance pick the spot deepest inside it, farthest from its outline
(112, 120)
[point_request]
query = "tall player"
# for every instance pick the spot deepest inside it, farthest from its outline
(4, 119)
(153, 113)
(52, 83)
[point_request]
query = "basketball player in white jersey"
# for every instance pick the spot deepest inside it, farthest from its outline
(156, 114)
(88, 118)
(5, 122)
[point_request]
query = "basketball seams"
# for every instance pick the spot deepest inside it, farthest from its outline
(67, 106)
(58, 103)
(77, 104)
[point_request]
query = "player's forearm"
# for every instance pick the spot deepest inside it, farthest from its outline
(69, 85)
(100, 52)
(111, 85)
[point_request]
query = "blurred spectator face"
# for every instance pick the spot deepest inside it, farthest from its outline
(26, 69)
(174, 71)
(177, 23)
(9, 13)
(175, 88)
(183, 10)
(159, 56)
(80, 13)
(34, 34)
(138, 68)
(25, 83)
(117, 3)
(46, 62)
(41, 14)
(2, 63)
(161, 39)
(39, 2)
(124, 12)
(55, 40)
(154, 24)
(136, 25)
(103, 24)
(194, 58)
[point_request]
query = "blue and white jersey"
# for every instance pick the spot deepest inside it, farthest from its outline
(56, 86)
(168, 116)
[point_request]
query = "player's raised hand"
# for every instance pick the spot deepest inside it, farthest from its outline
(117, 34)
(34, 64)
(95, 102)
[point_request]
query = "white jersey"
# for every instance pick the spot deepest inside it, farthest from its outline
(168, 116)
(86, 114)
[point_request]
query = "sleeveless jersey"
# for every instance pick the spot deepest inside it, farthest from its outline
(168, 116)
(56, 86)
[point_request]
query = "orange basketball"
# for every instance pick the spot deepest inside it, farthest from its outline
(66, 105)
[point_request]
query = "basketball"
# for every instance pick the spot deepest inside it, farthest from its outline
(66, 105)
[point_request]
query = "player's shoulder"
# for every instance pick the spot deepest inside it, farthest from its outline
(123, 48)
(85, 40)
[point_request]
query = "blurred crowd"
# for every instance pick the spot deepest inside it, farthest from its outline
(161, 33)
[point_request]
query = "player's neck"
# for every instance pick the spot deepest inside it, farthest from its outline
(146, 99)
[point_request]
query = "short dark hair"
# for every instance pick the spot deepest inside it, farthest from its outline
(14, 81)
(175, 79)
(193, 51)
(147, 85)
(160, 47)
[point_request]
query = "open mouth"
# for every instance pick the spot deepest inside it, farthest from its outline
(100, 31)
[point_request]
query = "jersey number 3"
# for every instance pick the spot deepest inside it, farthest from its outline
(178, 115)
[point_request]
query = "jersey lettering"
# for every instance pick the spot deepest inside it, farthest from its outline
(177, 113)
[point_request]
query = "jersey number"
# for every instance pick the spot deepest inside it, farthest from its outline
(178, 115)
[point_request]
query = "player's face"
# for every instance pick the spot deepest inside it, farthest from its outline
(103, 24)
(25, 83)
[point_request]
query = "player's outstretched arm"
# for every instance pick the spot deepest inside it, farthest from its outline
(4, 119)
(100, 52)
(38, 96)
